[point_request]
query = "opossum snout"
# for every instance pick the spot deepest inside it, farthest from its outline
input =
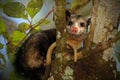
(74, 29)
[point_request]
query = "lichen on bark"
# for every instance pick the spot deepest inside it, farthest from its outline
(98, 61)
(60, 63)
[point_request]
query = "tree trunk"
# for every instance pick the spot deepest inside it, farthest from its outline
(60, 65)
(98, 62)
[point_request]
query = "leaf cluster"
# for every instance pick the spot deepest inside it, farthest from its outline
(16, 38)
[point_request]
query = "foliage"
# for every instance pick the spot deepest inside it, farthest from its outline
(23, 27)
(2, 61)
(17, 37)
(34, 6)
(2, 26)
(1, 45)
(14, 9)
(19, 10)
(2, 31)
(1, 5)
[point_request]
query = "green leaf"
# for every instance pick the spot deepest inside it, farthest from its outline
(37, 28)
(1, 45)
(1, 5)
(2, 65)
(2, 56)
(11, 49)
(34, 6)
(17, 37)
(23, 27)
(2, 26)
(8, 0)
(14, 9)
(34, 30)
(25, 16)
(46, 22)
(6, 35)
(12, 57)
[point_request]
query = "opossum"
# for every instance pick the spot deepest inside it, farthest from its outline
(31, 56)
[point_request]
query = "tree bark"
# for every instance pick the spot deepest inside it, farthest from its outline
(98, 61)
(60, 65)
(99, 64)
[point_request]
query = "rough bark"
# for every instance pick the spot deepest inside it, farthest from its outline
(60, 23)
(100, 64)
(59, 65)
(97, 62)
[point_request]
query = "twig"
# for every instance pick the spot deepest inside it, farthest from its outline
(34, 26)
(42, 20)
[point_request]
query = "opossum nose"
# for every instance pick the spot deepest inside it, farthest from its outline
(74, 29)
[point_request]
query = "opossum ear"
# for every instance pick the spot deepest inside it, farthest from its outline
(78, 16)
(68, 14)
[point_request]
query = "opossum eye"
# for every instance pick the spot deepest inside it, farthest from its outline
(70, 23)
(82, 24)
(78, 16)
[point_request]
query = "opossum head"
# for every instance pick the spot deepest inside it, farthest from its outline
(77, 25)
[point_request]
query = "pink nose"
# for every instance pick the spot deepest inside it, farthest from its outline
(74, 29)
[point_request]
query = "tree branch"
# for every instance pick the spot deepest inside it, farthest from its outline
(99, 47)
(89, 40)
(42, 20)
(34, 26)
